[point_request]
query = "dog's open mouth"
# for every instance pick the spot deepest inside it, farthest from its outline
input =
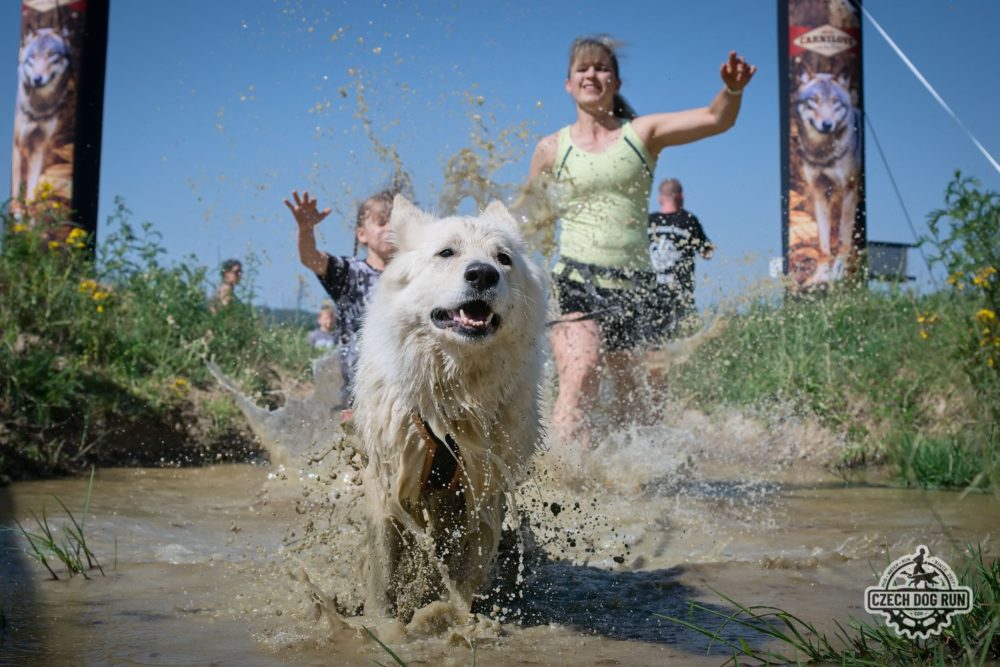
(472, 318)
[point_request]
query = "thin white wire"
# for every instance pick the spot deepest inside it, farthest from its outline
(928, 86)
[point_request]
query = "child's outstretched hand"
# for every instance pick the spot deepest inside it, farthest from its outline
(304, 209)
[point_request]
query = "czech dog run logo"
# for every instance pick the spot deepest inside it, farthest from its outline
(918, 594)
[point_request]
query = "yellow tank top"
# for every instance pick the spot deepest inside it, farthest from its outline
(604, 205)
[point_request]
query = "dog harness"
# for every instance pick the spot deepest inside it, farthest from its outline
(442, 460)
(604, 208)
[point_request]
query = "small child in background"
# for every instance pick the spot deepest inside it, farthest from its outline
(348, 280)
(323, 337)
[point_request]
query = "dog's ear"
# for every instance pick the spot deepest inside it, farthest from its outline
(405, 221)
(496, 209)
(806, 72)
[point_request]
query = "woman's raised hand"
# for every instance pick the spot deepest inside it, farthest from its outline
(736, 72)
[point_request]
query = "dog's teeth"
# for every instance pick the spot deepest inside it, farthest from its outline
(461, 314)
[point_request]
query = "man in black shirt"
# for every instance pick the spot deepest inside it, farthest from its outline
(675, 235)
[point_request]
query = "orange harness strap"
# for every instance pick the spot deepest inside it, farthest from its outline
(442, 461)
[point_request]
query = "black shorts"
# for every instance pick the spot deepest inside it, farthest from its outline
(628, 317)
(671, 307)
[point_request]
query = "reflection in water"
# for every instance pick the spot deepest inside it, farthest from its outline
(257, 566)
(20, 638)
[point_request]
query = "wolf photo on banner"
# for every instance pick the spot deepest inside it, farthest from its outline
(823, 140)
(44, 116)
(59, 110)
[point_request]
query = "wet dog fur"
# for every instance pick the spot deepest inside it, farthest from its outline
(453, 338)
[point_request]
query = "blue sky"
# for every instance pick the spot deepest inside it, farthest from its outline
(215, 111)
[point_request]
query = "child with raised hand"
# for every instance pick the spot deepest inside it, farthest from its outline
(348, 280)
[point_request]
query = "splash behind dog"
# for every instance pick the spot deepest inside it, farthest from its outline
(447, 402)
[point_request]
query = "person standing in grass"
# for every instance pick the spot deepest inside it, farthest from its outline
(348, 280)
(232, 273)
(323, 336)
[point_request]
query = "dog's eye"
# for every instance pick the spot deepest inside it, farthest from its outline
(447, 252)
(504, 258)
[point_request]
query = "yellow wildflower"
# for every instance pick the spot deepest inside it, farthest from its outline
(924, 335)
(43, 191)
(20, 228)
(986, 316)
(88, 286)
(76, 238)
(982, 277)
(100, 296)
(54, 245)
(181, 386)
(100, 309)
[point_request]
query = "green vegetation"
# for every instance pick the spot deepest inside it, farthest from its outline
(72, 550)
(101, 359)
(910, 380)
(971, 639)
(392, 654)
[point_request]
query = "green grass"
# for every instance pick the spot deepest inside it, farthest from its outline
(912, 380)
(856, 360)
(70, 548)
(971, 639)
(395, 657)
(94, 347)
(392, 654)
(936, 462)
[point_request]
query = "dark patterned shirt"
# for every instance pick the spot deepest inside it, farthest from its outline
(350, 282)
(674, 239)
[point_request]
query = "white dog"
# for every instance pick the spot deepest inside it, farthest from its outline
(447, 402)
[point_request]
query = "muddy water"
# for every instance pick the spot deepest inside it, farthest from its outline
(243, 565)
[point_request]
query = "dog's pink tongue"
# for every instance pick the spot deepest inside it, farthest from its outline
(469, 322)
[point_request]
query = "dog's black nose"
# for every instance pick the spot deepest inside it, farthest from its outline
(481, 275)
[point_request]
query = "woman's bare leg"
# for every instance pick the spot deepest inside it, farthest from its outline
(632, 402)
(576, 347)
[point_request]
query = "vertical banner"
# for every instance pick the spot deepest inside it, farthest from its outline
(822, 139)
(59, 109)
